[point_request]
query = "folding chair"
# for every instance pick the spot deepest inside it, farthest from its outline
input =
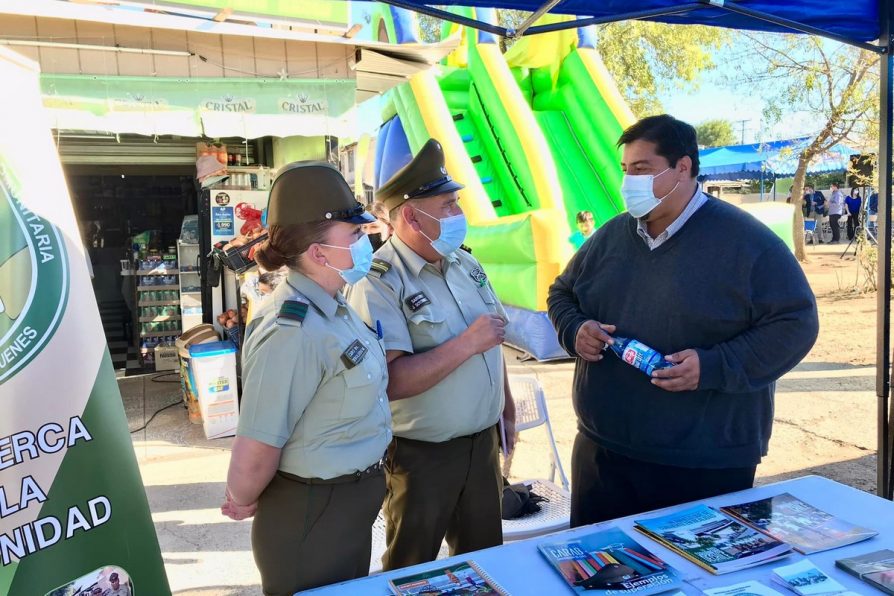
(810, 231)
(555, 513)
(379, 545)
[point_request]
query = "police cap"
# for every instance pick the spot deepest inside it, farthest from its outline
(306, 192)
(424, 176)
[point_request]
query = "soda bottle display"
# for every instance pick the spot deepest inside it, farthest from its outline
(638, 355)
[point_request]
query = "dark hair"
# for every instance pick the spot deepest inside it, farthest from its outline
(584, 216)
(673, 138)
(285, 244)
(836, 184)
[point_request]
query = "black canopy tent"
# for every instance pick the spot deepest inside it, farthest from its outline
(867, 24)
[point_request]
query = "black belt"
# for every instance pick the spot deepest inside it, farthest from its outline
(354, 477)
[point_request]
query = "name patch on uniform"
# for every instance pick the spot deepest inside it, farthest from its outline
(293, 310)
(355, 354)
(479, 276)
(417, 301)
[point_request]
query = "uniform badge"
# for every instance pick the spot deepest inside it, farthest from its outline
(293, 310)
(355, 354)
(479, 276)
(417, 301)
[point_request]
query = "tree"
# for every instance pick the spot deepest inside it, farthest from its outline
(647, 58)
(715, 133)
(836, 85)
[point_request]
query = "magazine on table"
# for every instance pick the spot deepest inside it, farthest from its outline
(875, 568)
(456, 580)
(806, 579)
(713, 540)
(610, 562)
(806, 528)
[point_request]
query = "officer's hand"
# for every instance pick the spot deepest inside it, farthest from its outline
(511, 433)
(486, 332)
(591, 339)
(682, 377)
(237, 512)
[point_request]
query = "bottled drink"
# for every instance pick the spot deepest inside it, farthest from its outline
(638, 355)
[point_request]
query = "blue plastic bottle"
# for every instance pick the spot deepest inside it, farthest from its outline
(639, 355)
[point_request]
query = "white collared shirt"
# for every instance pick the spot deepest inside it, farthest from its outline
(697, 200)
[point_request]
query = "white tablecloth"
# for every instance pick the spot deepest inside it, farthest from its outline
(522, 571)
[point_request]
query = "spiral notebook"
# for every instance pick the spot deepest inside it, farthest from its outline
(456, 579)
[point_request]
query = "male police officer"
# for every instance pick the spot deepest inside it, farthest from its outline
(442, 327)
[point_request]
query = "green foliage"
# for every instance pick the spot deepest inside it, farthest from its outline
(648, 58)
(715, 133)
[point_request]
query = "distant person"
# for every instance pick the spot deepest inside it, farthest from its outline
(836, 211)
(853, 203)
(706, 284)
(872, 211)
(380, 230)
(585, 228)
(116, 588)
(817, 204)
(268, 281)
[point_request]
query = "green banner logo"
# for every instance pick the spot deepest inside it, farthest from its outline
(34, 280)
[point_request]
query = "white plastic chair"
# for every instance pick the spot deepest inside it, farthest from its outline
(379, 545)
(555, 513)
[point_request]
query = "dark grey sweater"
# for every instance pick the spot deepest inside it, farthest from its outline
(724, 285)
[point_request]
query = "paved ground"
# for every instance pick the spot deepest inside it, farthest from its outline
(825, 424)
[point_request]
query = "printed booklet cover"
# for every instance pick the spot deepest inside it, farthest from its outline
(875, 568)
(459, 579)
(806, 528)
(610, 562)
(713, 540)
(806, 579)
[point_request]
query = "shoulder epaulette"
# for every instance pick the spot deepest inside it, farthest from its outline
(292, 310)
(379, 267)
(465, 248)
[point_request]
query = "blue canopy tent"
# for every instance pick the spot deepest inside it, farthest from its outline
(777, 159)
(867, 24)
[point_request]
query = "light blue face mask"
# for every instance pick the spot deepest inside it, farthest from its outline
(453, 232)
(639, 195)
(361, 254)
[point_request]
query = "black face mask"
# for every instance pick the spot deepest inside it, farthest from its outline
(375, 240)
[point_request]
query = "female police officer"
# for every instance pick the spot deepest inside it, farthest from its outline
(314, 420)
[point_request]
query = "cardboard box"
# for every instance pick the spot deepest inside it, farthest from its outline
(166, 358)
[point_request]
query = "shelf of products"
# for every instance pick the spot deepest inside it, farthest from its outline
(158, 302)
(190, 282)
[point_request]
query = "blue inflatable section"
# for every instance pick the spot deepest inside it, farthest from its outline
(404, 25)
(531, 332)
(392, 150)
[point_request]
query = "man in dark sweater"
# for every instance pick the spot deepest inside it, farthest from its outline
(703, 282)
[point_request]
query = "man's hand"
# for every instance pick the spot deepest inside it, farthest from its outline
(591, 339)
(510, 432)
(235, 511)
(486, 332)
(682, 377)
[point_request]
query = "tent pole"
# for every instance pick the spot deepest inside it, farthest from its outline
(883, 337)
(532, 19)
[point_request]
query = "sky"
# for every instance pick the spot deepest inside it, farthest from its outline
(714, 97)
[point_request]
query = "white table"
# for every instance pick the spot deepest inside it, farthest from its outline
(521, 569)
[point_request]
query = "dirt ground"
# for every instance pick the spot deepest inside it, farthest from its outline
(825, 424)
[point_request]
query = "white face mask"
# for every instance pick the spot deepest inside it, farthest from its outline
(639, 194)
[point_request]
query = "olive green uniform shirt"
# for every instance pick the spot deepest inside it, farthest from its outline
(299, 392)
(419, 307)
